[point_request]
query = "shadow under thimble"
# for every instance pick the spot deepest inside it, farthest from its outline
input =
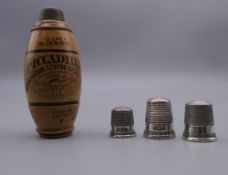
(159, 119)
(122, 122)
(199, 122)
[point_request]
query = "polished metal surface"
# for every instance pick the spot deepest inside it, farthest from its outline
(159, 119)
(122, 122)
(199, 122)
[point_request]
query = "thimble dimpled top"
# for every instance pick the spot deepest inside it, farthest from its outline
(122, 122)
(159, 119)
(199, 121)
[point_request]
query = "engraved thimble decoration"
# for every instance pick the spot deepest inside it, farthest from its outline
(159, 119)
(52, 75)
(199, 122)
(122, 122)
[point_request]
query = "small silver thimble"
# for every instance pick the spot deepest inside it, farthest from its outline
(199, 122)
(159, 119)
(122, 122)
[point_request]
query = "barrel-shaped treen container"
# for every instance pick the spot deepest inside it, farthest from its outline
(52, 75)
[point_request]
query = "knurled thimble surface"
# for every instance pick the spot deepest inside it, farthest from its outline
(159, 119)
(122, 122)
(199, 122)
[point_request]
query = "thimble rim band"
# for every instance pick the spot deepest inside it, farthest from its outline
(198, 133)
(200, 139)
(151, 135)
(122, 131)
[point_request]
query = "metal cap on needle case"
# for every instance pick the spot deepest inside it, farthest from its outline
(51, 14)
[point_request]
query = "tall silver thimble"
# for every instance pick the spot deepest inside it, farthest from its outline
(199, 122)
(159, 119)
(122, 122)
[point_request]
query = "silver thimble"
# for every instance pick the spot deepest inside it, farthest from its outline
(122, 122)
(159, 119)
(199, 122)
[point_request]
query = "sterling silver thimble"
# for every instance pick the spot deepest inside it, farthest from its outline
(199, 122)
(159, 119)
(122, 122)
